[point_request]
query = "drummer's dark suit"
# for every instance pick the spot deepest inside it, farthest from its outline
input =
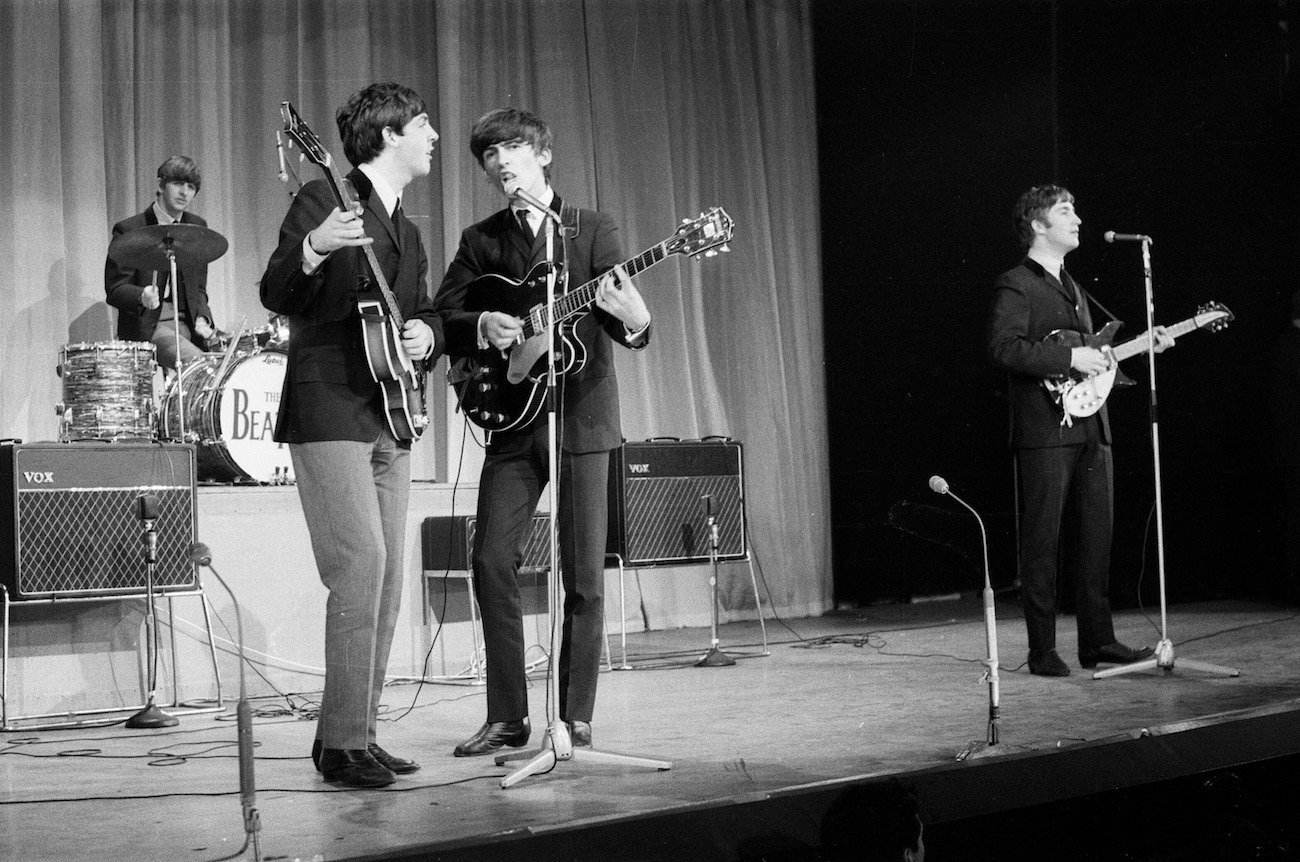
(516, 468)
(124, 286)
(1061, 468)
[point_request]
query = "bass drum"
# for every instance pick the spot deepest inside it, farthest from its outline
(232, 420)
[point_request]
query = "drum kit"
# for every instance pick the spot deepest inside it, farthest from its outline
(224, 402)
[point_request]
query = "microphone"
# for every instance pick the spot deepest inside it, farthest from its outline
(939, 485)
(200, 554)
(279, 151)
(514, 191)
(146, 508)
(1111, 236)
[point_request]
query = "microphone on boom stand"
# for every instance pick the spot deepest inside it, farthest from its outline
(939, 485)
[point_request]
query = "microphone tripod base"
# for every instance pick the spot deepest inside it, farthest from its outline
(151, 717)
(715, 658)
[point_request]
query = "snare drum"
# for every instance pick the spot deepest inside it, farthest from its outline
(232, 420)
(107, 391)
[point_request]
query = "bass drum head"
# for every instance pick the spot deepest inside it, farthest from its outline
(249, 402)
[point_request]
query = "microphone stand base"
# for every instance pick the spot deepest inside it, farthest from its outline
(715, 658)
(150, 718)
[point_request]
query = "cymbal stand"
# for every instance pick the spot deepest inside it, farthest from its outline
(173, 284)
(1164, 656)
(715, 657)
(151, 716)
(557, 745)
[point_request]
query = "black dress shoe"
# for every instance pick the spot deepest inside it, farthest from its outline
(354, 767)
(494, 734)
(1048, 664)
(1113, 653)
(580, 733)
(315, 754)
(396, 765)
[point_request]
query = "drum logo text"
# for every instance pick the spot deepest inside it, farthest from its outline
(253, 424)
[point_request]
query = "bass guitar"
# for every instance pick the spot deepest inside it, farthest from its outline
(1083, 395)
(499, 391)
(400, 379)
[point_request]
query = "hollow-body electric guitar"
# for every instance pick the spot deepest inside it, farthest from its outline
(500, 392)
(400, 379)
(1082, 395)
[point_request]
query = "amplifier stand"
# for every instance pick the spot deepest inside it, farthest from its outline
(74, 719)
(622, 608)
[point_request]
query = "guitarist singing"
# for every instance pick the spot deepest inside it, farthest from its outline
(1061, 467)
(353, 472)
(513, 147)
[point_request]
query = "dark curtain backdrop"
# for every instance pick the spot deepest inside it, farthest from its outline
(661, 109)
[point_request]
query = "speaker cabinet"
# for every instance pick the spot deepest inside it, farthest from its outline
(448, 543)
(69, 524)
(658, 514)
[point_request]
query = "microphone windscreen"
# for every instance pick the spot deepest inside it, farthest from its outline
(200, 554)
(147, 507)
(938, 485)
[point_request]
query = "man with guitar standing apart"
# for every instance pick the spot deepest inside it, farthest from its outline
(514, 149)
(351, 460)
(1063, 465)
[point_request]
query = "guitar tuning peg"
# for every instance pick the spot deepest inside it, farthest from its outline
(713, 252)
(726, 247)
(686, 221)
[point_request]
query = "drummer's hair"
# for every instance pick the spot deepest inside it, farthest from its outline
(367, 113)
(179, 169)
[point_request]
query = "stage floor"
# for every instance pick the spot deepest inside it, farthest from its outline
(888, 690)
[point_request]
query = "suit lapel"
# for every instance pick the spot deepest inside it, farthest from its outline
(365, 192)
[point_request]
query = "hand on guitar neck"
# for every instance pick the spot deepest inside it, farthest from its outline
(339, 230)
(1089, 361)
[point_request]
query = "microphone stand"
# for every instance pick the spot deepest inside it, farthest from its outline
(1164, 655)
(200, 555)
(715, 657)
(940, 486)
(151, 717)
(557, 745)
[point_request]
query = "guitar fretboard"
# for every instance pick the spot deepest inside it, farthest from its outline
(579, 299)
(1177, 330)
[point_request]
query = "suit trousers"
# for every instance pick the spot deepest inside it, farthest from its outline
(1067, 501)
(514, 475)
(164, 339)
(355, 497)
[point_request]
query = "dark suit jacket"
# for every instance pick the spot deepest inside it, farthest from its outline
(124, 286)
(329, 393)
(1028, 305)
(497, 245)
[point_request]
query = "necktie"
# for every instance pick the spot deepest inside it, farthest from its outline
(397, 222)
(524, 226)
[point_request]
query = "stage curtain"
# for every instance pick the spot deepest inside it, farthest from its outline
(661, 109)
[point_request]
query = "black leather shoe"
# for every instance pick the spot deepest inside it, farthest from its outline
(1113, 653)
(354, 767)
(580, 733)
(396, 765)
(1048, 664)
(315, 754)
(494, 734)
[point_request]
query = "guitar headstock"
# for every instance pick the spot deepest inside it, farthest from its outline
(706, 234)
(1213, 316)
(304, 137)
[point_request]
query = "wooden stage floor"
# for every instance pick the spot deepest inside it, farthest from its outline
(882, 691)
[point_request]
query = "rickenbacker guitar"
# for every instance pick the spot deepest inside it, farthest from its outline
(1080, 395)
(400, 379)
(500, 392)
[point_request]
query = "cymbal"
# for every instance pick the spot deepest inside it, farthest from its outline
(146, 246)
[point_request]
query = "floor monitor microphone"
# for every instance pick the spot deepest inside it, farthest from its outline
(939, 485)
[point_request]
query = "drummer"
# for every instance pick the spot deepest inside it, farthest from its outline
(146, 310)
